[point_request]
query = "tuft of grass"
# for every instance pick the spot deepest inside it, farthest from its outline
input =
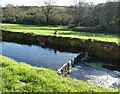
(62, 30)
(21, 77)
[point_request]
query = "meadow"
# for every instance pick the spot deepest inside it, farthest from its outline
(63, 31)
(21, 77)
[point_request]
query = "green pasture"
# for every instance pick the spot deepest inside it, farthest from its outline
(63, 31)
(21, 77)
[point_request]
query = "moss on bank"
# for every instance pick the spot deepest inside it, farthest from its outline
(21, 77)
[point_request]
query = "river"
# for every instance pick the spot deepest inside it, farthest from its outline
(92, 70)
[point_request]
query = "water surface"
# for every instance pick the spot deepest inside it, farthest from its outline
(92, 71)
(36, 55)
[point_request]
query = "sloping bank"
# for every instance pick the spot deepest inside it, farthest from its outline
(108, 50)
(21, 77)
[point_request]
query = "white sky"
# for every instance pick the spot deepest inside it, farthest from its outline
(38, 2)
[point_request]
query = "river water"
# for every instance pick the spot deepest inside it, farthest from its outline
(36, 55)
(91, 70)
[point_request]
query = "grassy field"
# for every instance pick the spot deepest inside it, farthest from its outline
(21, 77)
(63, 31)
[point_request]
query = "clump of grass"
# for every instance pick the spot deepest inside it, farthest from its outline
(62, 30)
(21, 77)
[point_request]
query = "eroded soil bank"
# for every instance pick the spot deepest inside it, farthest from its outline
(108, 50)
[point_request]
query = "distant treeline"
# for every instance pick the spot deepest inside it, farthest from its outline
(103, 17)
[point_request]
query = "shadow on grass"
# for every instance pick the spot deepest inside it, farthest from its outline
(90, 34)
(36, 28)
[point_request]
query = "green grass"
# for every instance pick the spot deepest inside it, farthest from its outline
(21, 77)
(63, 32)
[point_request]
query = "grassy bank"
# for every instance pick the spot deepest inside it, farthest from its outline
(63, 31)
(21, 77)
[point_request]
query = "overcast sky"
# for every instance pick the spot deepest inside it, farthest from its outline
(38, 2)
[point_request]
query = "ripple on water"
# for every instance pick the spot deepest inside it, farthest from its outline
(96, 75)
(104, 80)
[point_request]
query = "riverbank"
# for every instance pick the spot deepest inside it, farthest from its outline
(21, 77)
(63, 31)
(106, 50)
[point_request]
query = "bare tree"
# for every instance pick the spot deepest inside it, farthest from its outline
(76, 11)
(48, 9)
(10, 13)
(81, 11)
(0, 13)
(77, 5)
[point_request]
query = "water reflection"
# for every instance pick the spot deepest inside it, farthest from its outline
(50, 46)
(93, 70)
(36, 55)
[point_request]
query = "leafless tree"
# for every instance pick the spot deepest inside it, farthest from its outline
(81, 11)
(76, 11)
(10, 12)
(48, 9)
(0, 13)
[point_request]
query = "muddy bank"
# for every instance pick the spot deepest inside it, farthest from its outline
(108, 50)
